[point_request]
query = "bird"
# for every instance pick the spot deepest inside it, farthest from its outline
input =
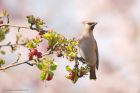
(88, 48)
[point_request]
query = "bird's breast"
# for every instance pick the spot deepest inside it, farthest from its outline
(87, 50)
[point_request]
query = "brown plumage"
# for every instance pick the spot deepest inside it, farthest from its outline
(92, 72)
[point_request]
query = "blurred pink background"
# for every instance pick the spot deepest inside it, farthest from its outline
(117, 35)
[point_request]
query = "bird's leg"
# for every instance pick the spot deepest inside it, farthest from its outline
(76, 63)
(81, 59)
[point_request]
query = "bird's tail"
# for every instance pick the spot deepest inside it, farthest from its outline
(92, 72)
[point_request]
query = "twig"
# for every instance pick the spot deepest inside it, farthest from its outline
(17, 59)
(25, 62)
(12, 45)
(80, 59)
(16, 26)
(19, 27)
(13, 65)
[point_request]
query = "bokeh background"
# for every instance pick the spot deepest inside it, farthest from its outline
(117, 35)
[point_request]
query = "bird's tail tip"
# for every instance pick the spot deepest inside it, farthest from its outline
(92, 73)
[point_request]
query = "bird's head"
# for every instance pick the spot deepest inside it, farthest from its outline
(89, 25)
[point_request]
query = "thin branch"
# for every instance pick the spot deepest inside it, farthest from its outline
(13, 65)
(20, 63)
(17, 59)
(81, 59)
(19, 27)
(16, 26)
(9, 44)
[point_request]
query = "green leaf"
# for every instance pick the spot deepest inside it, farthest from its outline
(69, 48)
(39, 21)
(2, 62)
(33, 43)
(31, 19)
(44, 66)
(75, 78)
(2, 52)
(38, 27)
(47, 36)
(5, 13)
(39, 65)
(2, 36)
(43, 75)
(53, 66)
(68, 68)
(3, 31)
(36, 41)
(50, 73)
(72, 54)
(30, 44)
(67, 76)
(74, 43)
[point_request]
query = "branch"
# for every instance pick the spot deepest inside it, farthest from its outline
(15, 64)
(9, 44)
(25, 62)
(81, 59)
(16, 26)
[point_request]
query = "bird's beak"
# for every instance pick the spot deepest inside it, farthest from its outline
(94, 23)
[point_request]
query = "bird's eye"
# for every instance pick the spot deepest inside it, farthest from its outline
(90, 23)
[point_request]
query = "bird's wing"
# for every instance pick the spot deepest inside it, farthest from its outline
(97, 54)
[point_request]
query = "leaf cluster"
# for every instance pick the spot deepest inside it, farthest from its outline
(47, 67)
(35, 23)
